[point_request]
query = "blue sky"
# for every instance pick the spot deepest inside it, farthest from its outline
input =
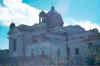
(81, 12)
(78, 9)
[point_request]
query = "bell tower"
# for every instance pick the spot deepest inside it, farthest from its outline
(12, 26)
(42, 17)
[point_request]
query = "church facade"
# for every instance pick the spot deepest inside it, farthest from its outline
(50, 38)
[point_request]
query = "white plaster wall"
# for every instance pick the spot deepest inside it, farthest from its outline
(49, 48)
(19, 46)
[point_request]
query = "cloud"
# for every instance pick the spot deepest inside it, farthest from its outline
(62, 7)
(86, 24)
(21, 13)
(18, 12)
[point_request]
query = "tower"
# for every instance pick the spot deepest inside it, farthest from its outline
(42, 17)
(12, 41)
(12, 27)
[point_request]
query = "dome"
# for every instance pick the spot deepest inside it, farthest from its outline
(42, 13)
(12, 25)
(53, 18)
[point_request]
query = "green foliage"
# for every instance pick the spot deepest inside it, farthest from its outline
(4, 55)
(91, 60)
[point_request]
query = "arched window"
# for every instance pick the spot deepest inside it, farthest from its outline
(58, 52)
(90, 45)
(32, 52)
(14, 45)
(77, 51)
(42, 53)
(68, 51)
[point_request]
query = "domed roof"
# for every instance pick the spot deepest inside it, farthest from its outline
(12, 25)
(52, 11)
(53, 18)
(42, 13)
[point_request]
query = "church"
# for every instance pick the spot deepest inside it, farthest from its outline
(51, 39)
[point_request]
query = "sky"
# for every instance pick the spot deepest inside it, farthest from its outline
(74, 12)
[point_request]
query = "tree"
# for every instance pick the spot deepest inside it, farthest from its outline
(91, 57)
